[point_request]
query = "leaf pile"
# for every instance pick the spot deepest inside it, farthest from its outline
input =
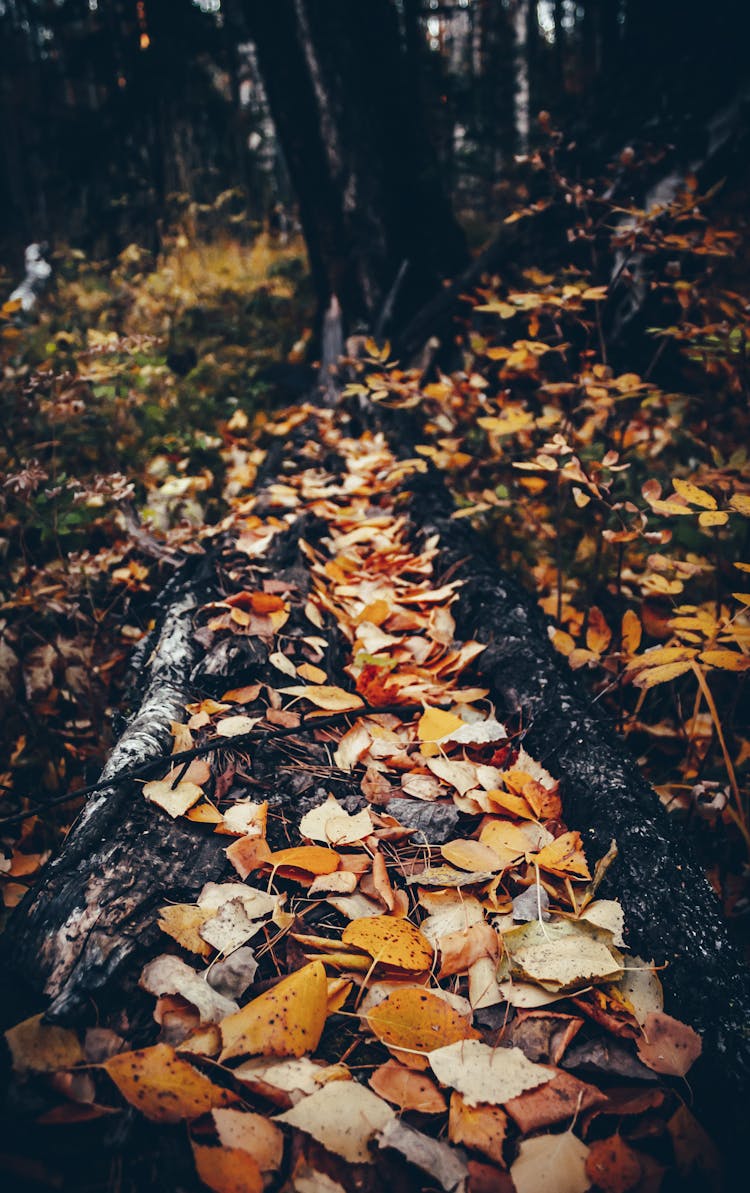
(419, 983)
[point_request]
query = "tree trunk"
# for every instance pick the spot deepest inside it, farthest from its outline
(367, 181)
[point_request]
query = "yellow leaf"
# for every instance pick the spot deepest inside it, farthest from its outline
(434, 724)
(651, 676)
(481, 1127)
(390, 941)
(311, 673)
(37, 1047)
(323, 696)
(163, 1086)
(227, 1169)
(564, 856)
(661, 655)
(471, 855)
(181, 921)
(713, 518)
(632, 631)
(598, 634)
(413, 1021)
(727, 660)
(741, 503)
(694, 495)
(287, 1020)
(744, 597)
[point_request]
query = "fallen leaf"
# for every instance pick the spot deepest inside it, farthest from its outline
(434, 725)
(668, 1045)
(230, 928)
(344, 1117)
(173, 800)
(564, 856)
(551, 1164)
(312, 859)
(227, 1170)
(471, 855)
(413, 1021)
(560, 1100)
(251, 1133)
(482, 1127)
(286, 1020)
(390, 941)
(236, 726)
(483, 1074)
(37, 1047)
(324, 696)
(407, 1089)
(439, 1160)
(559, 956)
(163, 1086)
(171, 975)
(232, 975)
(613, 1166)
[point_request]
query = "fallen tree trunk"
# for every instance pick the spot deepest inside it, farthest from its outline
(672, 914)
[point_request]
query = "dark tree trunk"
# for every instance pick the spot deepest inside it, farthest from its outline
(352, 134)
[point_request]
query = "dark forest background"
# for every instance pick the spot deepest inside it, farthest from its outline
(118, 117)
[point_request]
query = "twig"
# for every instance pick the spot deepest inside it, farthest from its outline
(216, 743)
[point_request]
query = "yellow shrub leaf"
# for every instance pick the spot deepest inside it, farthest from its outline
(651, 676)
(661, 655)
(713, 518)
(694, 495)
(163, 1086)
(330, 698)
(741, 503)
(598, 634)
(632, 632)
(286, 1020)
(727, 660)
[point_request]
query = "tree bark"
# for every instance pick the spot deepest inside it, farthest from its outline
(352, 133)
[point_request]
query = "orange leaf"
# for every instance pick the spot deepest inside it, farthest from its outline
(314, 859)
(163, 1086)
(632, 632)
(613, 1166)
(227, 1169)
(407, 1089)
(286, 1020)
(598, 634)
(482, 1128)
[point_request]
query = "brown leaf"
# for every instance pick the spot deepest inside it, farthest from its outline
(668, 1045)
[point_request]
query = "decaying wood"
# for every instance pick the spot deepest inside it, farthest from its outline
(94, 907)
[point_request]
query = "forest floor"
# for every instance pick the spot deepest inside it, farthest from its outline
(137, 422)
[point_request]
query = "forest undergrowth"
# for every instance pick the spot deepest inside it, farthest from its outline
(133, 409)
